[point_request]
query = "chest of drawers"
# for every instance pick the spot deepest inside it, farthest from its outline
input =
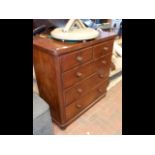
(72, 77)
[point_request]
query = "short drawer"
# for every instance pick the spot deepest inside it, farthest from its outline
(102, 66)
(82, 88)
(76, 107)
(102, 49)
(71, 77)
(69, 61)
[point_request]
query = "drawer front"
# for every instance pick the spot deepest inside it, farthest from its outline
(102, 49)
(102, 66)
(71, 77)
(71, 60)
(82, 88)
(76, 107)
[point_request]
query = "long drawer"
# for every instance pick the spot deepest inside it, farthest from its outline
(76, 107)
(82, 88)
(101, 66)
(76, 58)
(78, 74)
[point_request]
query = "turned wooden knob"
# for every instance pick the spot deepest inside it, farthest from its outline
(79, 90)
(100, 90)
(104, 62)
(101, 75)
(79, 58)
(78, 106)
(105, 48)
(78, 74)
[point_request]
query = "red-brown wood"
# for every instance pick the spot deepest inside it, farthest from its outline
(77, 74)
(56, 47)
(77, 106)
(102, 49)
(102, 65)
(82, 88)
(76, 58)
(48, 80)
(72, 77)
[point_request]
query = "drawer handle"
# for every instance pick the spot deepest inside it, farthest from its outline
(100, 90)
(101, 75)
(78, 74)
(78, 106)
(105, 48)
(79, 58)
(104, 62)
(79, 90)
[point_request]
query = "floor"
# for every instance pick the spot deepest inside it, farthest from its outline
(105, 117)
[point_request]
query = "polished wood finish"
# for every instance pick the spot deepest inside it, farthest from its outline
(102, 49)
(56, 47)
(77, 74)
(77, 58)
(72, 77)
(79, 105)
(47, 75)
(80, 89)
(102, 66)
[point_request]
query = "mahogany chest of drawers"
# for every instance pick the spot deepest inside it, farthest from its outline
(72, 77)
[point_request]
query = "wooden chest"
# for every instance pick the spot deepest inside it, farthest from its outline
(72, 77)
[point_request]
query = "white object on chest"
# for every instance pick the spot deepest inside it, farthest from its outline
(74, 30)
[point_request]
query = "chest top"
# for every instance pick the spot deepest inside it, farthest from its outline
(56, 47)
